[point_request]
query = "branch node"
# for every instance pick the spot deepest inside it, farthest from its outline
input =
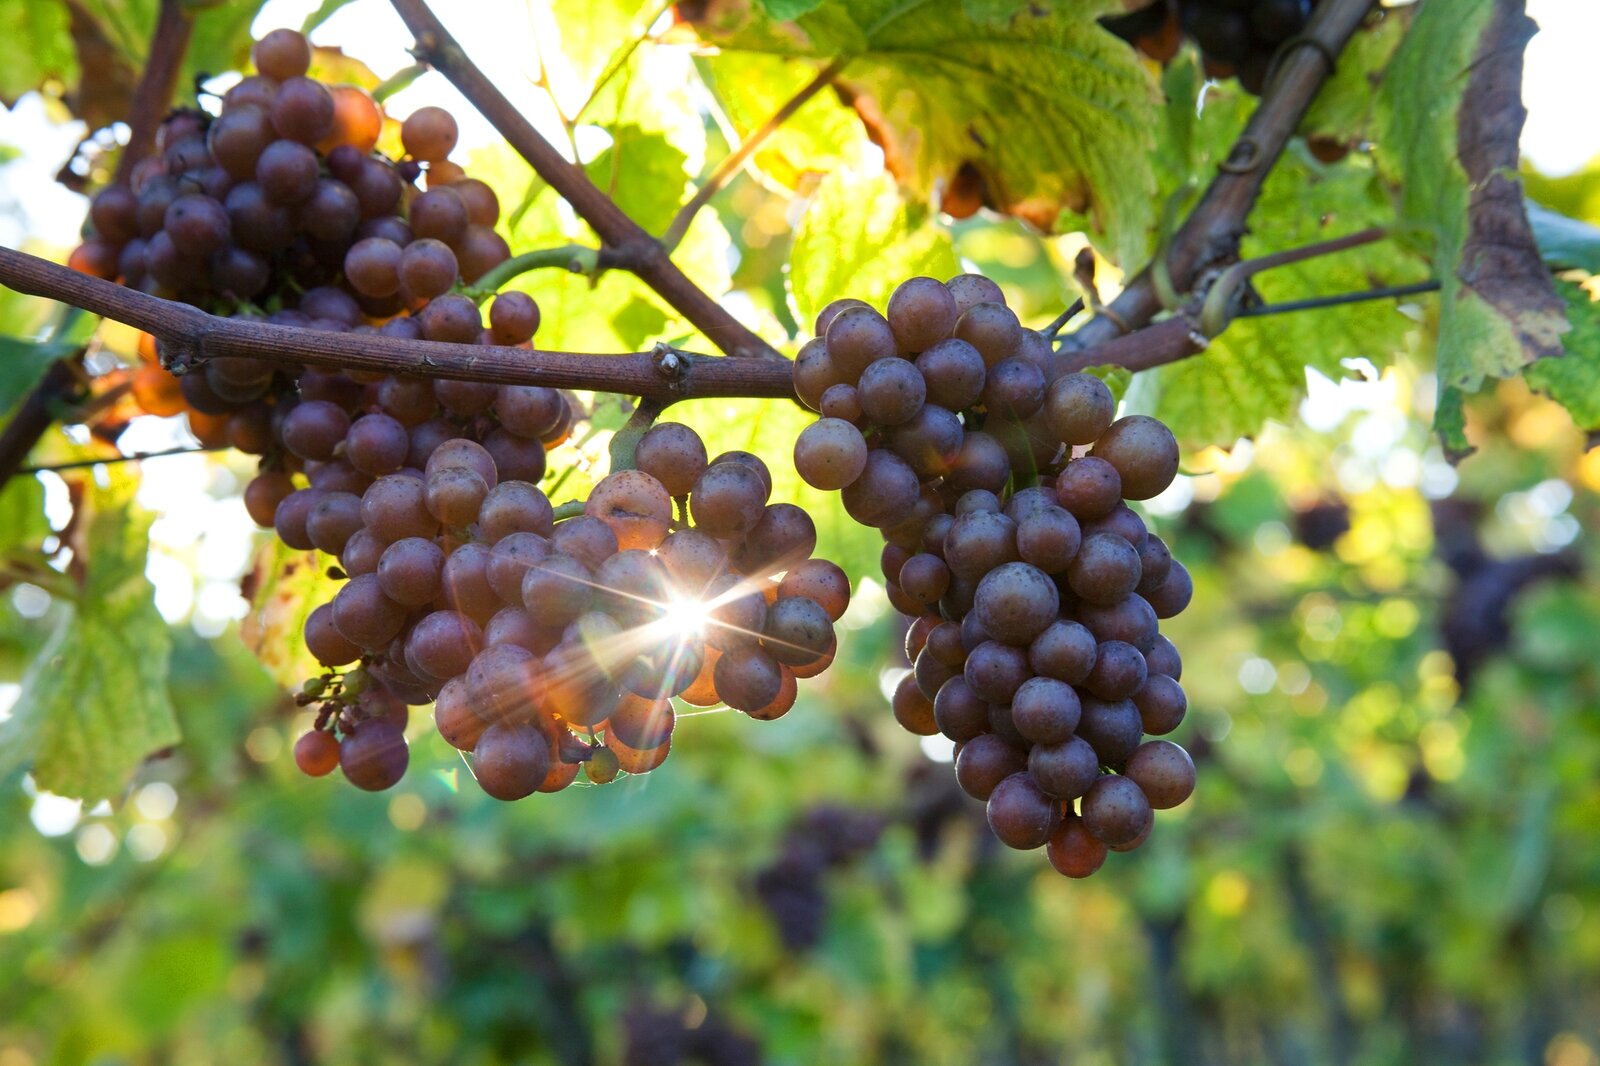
(1245, 156)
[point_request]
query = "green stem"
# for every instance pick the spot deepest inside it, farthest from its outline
(574, 257)
(626, 440)
(400, 79)
(570, 509)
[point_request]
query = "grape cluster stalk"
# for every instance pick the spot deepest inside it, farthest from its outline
(545, 646)
(1237, 38)
(1033, 591)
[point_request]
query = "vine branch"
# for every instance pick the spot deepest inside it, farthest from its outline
(190, 336)
(1211, 233)
(153, 95)
(634, 248)
(730, 165)
(36, 413)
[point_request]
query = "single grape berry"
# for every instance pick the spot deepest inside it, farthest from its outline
(316, 753)
(374, 757)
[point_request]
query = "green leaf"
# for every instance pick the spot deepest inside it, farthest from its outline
(1565, 242)
(23, 527)
(23, 363)
(643, 172)
(1450, 423)
(596, 37)
(859, 238)
(1255, 370)
(1054, 112)
(821, 136)
(1497, 312)
(94, 703)
(1573, 380)
(34, 47)
(323, 13)
(789, 9)
(284, 587)
(1343, 108)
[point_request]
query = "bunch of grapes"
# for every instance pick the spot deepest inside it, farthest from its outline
(1235, 37)
(533, 637)
(280, 209)
(1034, 592)
(544, 645)
(790, 887)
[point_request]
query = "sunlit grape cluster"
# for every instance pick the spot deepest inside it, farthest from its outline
(280, 209)
(553, 644)
(1033, 591)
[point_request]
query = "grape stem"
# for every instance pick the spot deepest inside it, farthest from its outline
(1223, 297)
(732, 163)
(107, 460)
(626, 441)
(570, 509)
(577, 258)
(1211, 233)
(632, 248)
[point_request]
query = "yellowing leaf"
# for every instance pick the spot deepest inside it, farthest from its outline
(284, 587)
(1053, 111)
(94, 703)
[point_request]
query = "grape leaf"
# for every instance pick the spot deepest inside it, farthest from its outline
(94, 703)
(859, 238)
(1343, 108)
(23, 527)
(34, 47)
(643, 173)
(1053, 111)
(1574, 380)
(597, 37)
(789, 9)
(284, 587)
(98, 48)
(1449, 118)
(1565, 242)
(1255, 370)
(23, 362)
(822, 135)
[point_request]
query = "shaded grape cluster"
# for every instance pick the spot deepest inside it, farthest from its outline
(1034, 592)
(549, 645)
(791, 888)
(656, 1036)
(1236, 38)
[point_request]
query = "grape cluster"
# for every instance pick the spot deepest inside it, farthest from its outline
(1235, 37)
(791, 886)
(655, 1036)
(1034, 592)
(280, 209)
(532, 636)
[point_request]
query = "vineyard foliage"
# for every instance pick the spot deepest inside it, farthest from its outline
(1391, 856)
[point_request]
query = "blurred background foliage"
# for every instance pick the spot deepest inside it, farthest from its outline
(1393, 855)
